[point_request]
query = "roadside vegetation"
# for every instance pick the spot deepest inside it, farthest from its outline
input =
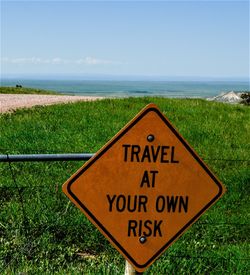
(245, 98)
(41, 232)
(22, 90)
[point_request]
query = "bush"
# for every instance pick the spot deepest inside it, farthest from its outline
(245, 98)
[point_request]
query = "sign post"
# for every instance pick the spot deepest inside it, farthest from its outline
(144, 188)
(129, 269)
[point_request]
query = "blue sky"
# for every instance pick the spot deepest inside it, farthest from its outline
(168, 38)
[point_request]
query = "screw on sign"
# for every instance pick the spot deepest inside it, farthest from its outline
(144, 188)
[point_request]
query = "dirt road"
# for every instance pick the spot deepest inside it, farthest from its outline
(11, 102)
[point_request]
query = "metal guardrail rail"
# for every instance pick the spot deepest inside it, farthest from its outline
(45, 157)
(75, 157)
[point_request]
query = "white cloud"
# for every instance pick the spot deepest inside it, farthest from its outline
(25, 60)
(95, 61)
(56, 60)
(89, 60)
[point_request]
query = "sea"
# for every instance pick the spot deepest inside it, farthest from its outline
(125, 88)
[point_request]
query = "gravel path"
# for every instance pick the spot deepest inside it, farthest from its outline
(11, 102)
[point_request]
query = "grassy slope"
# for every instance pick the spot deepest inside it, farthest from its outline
(59, 239)
(14, 90)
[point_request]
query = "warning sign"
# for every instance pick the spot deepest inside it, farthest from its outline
(144, 188)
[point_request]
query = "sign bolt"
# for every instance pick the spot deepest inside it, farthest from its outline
(150, 138)
(142, 239)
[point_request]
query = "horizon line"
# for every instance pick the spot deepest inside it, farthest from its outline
(117, 77)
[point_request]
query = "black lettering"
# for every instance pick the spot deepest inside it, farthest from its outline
(171, 203)
(121, 203)
(140, 228)
(126, 146)
(153, 177)
(142, 203)
(146, 154)
(132, 205)
(132, 224)
(183, 204)
(111, 200)
(147, 226)
(144, 228)
(135, 152)
(164, 153)
(157, 228)
(145, 179)
(160, 204)
(172, 156)
(155, 153)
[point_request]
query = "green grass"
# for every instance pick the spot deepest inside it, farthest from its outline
(14, 90)
(56, 238)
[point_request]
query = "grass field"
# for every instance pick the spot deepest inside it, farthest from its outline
(41, 232)
(23, 90)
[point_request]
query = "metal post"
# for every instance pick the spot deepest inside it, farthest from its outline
(129, 270)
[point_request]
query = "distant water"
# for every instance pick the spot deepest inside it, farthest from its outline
(201, 89)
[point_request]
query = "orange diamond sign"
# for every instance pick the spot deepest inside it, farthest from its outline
(144, 188)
